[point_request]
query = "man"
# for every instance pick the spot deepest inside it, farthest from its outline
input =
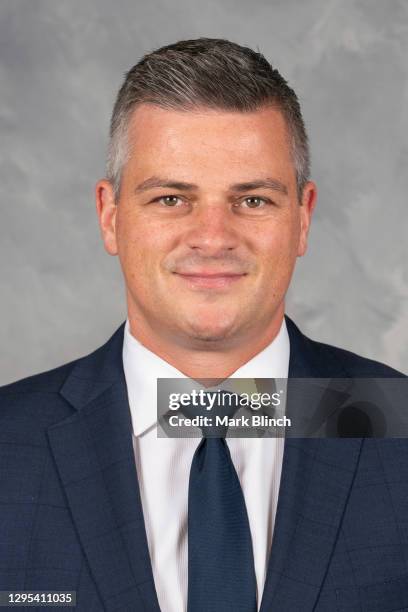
(207, 203)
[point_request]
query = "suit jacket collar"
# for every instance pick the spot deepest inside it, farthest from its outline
(95, 373)
(94, 455)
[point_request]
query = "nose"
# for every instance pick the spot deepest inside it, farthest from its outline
(212, 230)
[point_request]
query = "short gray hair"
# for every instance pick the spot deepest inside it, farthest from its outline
(205, 72)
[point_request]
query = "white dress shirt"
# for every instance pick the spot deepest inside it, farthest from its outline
(163, 468)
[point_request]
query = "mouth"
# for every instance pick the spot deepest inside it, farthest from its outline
(210, 280)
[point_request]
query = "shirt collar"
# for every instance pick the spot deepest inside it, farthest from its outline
(142, 368)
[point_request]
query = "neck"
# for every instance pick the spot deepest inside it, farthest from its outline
(206, 362)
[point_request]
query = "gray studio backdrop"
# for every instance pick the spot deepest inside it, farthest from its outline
(61, 63)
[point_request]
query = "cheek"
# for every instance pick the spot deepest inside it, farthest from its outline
(279, 243)
(141, 246)
(277, 251)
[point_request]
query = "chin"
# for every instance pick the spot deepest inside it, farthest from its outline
(210, 333)
(209, 323)
(209, 337)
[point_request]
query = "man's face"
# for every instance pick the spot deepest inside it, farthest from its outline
(207, 225)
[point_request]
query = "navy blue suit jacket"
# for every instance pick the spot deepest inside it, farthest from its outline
(71, 516)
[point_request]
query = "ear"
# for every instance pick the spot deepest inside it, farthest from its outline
(306, 208)
(106, 209)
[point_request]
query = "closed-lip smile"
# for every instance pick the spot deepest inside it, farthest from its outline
(210, 274)
(208, 279)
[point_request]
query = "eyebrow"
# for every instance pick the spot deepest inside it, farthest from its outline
(154, 182)
(268, 183)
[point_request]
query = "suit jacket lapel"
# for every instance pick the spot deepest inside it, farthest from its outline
(317, 475)
(94, 455)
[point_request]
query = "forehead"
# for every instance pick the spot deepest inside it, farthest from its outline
(209, 140)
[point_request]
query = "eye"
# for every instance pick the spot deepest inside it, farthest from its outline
(169, 200)
(254, 202)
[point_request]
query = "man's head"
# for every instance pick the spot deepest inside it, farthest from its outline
(208, 199)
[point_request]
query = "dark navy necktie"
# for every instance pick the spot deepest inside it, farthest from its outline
(221, 573)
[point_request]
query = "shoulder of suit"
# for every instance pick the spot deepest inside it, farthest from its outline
(326, 360)
(28, 406)
(49, 381)
(355, 365)
(40, 394)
